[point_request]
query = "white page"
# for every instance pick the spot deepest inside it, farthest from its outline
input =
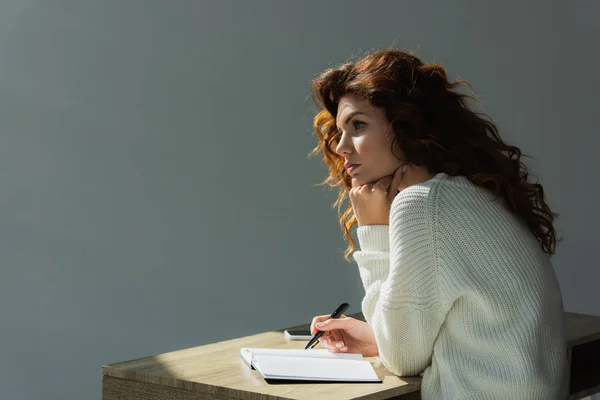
(325, 369)
(248, 352)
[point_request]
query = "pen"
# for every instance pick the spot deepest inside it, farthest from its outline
(336, 314)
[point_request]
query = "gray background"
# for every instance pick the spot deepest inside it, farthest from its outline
(155, 190)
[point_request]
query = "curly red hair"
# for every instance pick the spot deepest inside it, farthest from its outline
(434, 127)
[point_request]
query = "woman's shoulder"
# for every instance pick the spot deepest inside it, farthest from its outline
(458, 191)
(418, 194)
(415, 201)
(442, 192)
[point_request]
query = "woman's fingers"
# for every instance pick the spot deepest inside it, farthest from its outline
(318, 319)
(333, 341)
(325, 339)
(344, 324)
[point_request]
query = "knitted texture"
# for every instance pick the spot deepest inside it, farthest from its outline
(459, 290)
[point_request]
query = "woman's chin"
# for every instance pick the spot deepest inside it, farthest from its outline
(358, 181)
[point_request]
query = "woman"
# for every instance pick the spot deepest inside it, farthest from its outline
(454, 239)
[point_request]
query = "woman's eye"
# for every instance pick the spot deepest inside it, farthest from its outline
(357, 123)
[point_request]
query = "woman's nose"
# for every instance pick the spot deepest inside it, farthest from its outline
(344, 146)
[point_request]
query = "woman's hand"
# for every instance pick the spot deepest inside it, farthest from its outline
(372, 202)
(345, 334)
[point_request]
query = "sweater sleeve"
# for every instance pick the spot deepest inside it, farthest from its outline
(400, 278)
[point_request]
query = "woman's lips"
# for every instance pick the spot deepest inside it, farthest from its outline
(352, 168)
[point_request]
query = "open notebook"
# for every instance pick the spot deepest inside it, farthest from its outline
(309, 365)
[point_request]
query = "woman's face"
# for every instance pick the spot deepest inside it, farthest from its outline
(365, 141)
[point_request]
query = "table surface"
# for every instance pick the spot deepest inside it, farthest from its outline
(218, 370)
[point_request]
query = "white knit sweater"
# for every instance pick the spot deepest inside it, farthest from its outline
(458, 289)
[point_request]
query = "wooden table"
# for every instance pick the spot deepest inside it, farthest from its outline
(216, 371)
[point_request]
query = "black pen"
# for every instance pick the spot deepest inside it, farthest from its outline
(336, 314)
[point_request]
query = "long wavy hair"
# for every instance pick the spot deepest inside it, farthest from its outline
(434, 127)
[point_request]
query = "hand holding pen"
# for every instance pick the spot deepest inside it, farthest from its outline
(334, 315)
(343, 334)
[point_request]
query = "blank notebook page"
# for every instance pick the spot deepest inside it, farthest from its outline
(247, 353)
(314, 368)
